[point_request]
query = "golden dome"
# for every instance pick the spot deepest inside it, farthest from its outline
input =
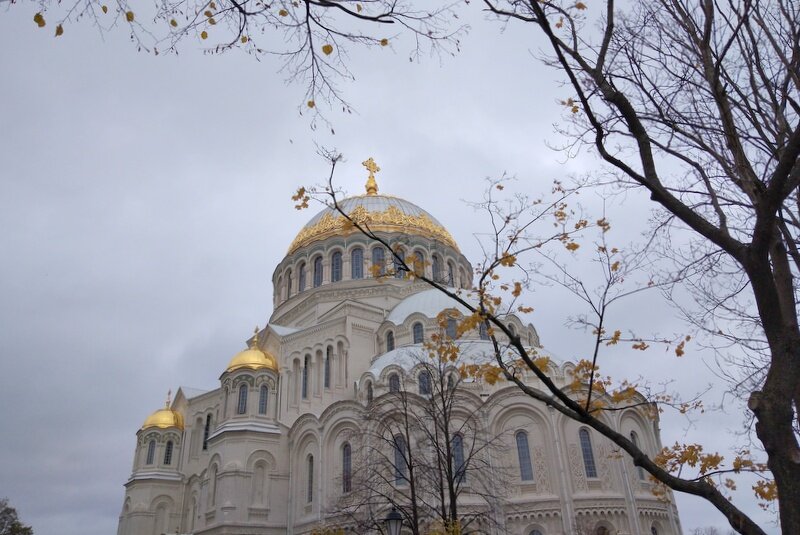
(164, 418)
(252, 358)
(380, 213)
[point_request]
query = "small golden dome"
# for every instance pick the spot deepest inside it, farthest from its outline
(164, 418)
(252, 358)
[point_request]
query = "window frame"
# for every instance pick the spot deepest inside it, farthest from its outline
(357, 263)
(241, 402)
(263, 399)
(524, 456)
(336, 266)
(589, 465)
(318, 272)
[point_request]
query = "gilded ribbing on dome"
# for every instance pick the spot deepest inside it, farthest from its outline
(392, 219)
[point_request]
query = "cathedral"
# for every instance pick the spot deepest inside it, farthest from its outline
(278, 447)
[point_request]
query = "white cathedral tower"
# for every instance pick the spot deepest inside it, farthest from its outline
(275, 449)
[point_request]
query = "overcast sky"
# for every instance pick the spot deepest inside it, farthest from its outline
(145, 201)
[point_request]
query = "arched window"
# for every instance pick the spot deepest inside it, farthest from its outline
(419, 263)
(653, 530)
(451, 275)
(347, 468)
(436, 269)
(370, 393)
(357, 263)
(483, 331)
(588, 454)
(336, 267)
(212, 483)
(301, 277)
(151, 452)
(601, 530)
(317, 271)
(206, 431)
(310, 480)
(419, 333)
(512, 329)
(394, 383)
(424, 383)
(263, 399)
(458, 458)
(327, 371)
(397, 259)
(524, 456)
(400, 465)
(635, 440)
(379, 261)
(451, 329)
(168, 453)
(451, 381)
(288, 284)
(535, 532)
(305, 377)
(241, 406)
(389, 341)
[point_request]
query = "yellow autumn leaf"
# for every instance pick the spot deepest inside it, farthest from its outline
(129, 16)
(327, 49)
(311, 103)
(212, 5)
(59, 30)
(572, 246)
(384, 41)
(208, 13)
(580, 5)
(283, 13)
(358, 8)
(211, 21)
(204, 35)
(173, 23)
(244, 39)
(104, 8)
(39, 20)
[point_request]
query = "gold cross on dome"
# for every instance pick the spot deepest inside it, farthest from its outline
(372, 167)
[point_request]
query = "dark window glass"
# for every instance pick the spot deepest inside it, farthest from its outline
(370, 393)
(327, 371)
(151, 452)
(436, 268)
(241, 407)
(263, 397)
(588, 454)
(305, 377)
(347, 467)
(288, 284)
(394, 383)
(399, 270)
(310, 481)
(483, 330)
(451, 280)
(458, 458)
(301, 277)
(378, 260)
(357, 263)
(400, 465)
(419, 333)
(389, 341)
(425, 383)
(419, 263)
(524, 456)
(336, 267)
(317, 271)
(168, 453)
(206, 432)
(451, 331)
(639, 469)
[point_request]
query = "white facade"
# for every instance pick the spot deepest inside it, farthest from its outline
(236, 460)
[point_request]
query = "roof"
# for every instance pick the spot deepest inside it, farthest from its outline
(428, 303)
